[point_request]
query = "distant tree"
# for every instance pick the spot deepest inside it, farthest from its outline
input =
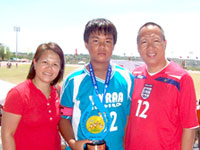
(4, 52)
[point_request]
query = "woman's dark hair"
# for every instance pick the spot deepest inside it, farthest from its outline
(40, 50)
(100, 25)
(153, 24)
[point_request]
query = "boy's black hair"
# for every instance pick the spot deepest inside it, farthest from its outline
(153, 24)
(100, 25)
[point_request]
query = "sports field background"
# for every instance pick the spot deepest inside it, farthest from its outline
(18, 74)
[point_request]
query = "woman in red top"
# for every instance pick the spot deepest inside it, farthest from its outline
(31, 110)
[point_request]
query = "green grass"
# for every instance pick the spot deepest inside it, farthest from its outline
(17, 75)
(196, 79)
(14, 74)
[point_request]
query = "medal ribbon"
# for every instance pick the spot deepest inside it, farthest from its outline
(94, 81)
(100, 106)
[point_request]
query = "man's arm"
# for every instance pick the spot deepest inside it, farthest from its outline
(187, 139)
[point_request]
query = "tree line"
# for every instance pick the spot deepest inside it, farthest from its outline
(4, 52)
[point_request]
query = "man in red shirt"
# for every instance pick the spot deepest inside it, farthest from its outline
(163, 111)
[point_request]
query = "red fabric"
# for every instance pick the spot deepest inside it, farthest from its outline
(38, 127)
(161, 110)
(198, 115)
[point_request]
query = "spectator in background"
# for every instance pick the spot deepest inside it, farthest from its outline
(31, 110)
(9, 64)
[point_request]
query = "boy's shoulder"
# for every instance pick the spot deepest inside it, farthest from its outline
(117, 67)
(75, 73)
(123, 72)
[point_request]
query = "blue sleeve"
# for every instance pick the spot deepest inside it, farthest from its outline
(130, 93)
(67, 95)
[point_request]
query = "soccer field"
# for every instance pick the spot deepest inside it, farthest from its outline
(18, 74)
(196, 79)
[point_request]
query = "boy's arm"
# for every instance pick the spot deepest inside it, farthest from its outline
(66, 130)
(187, 139)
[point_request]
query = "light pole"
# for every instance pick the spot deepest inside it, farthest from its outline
(16, 29)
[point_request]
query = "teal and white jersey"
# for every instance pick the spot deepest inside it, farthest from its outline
(76, 94)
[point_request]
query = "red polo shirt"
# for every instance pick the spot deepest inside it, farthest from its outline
(38, 127)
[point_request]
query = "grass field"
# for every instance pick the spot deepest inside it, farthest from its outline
(196, 79)
(17, 75)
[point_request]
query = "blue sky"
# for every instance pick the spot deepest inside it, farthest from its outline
(63, 21)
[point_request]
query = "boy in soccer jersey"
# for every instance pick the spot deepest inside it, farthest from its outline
(112, 84)
(163, 109)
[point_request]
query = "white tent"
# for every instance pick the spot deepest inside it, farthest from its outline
(4, 88)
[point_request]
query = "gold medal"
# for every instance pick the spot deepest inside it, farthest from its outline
(95, 124)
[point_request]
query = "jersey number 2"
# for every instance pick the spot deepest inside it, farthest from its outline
(142, 114)
(114, 116)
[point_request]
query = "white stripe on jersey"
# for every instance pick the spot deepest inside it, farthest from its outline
(126, 76)
(178, 77)
(76, 118)
(137, 72)
(76, 110)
